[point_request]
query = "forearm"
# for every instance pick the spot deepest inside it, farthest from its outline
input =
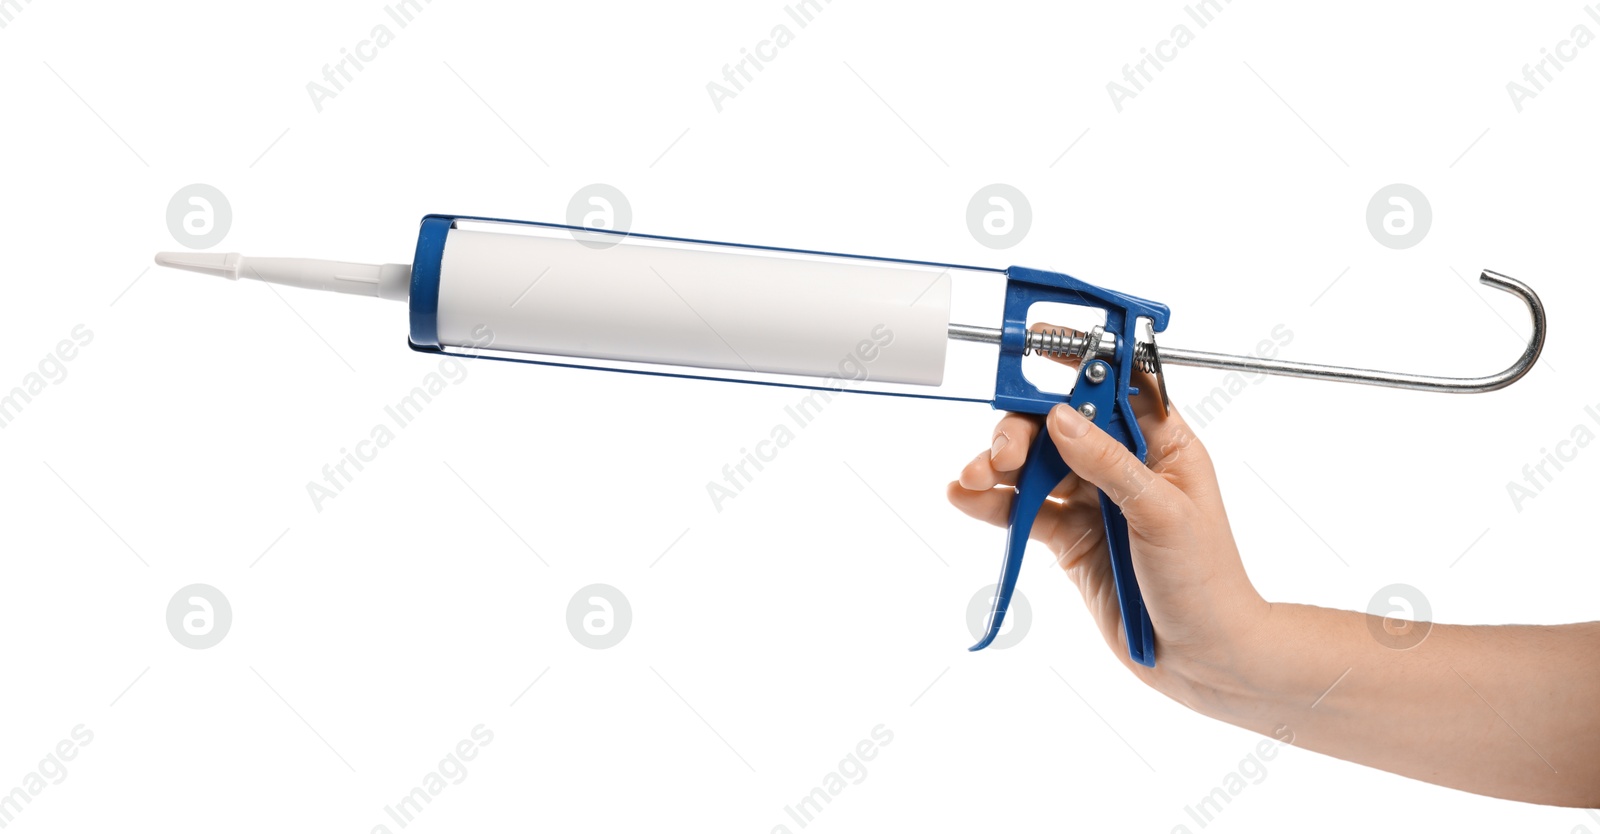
(1505, 711)
(1508, 711)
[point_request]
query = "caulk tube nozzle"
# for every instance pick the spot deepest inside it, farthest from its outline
(392, 281)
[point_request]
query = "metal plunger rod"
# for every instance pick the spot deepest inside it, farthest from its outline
(1062, 342)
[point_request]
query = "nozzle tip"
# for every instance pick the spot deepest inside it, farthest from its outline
(221, 264)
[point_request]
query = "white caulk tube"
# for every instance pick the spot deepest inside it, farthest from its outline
(556, 291)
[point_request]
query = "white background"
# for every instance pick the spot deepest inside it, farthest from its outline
(374, 635)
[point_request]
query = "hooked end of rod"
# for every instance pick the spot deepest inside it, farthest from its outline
(1530, 299)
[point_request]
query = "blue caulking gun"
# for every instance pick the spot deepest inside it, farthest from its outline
(551, 294)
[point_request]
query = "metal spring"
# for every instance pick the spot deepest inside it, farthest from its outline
(1057, 342)
(1144, 357)
(1066, 343)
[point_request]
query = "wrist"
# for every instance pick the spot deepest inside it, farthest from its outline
(1242, 675)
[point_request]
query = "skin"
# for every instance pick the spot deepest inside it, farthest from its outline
(1505, 711)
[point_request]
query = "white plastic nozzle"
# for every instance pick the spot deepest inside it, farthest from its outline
(392, 281)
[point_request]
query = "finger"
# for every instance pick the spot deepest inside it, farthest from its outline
(979, 474)
(990, 506)
(1008, 449)
(1001, 465)
(1012, 438)
(1055, 525)
(1150, 503)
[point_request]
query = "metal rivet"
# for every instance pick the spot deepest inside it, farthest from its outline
(1096, 372)
(1088, 410)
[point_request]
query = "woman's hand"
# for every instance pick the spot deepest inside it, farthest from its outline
(1506, 711)
(1200, 601)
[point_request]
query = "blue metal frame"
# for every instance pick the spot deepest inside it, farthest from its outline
(1044, 469)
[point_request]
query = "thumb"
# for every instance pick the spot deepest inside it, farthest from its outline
(1149, 502)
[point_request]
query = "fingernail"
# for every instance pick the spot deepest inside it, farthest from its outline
(1000, 442)
(1069, 422)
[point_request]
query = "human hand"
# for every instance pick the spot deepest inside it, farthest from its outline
(1200, 601)
(1424, 712)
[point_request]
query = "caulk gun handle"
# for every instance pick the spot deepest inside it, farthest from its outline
(1043, 471)
(1103, 397)
(1135, 617)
